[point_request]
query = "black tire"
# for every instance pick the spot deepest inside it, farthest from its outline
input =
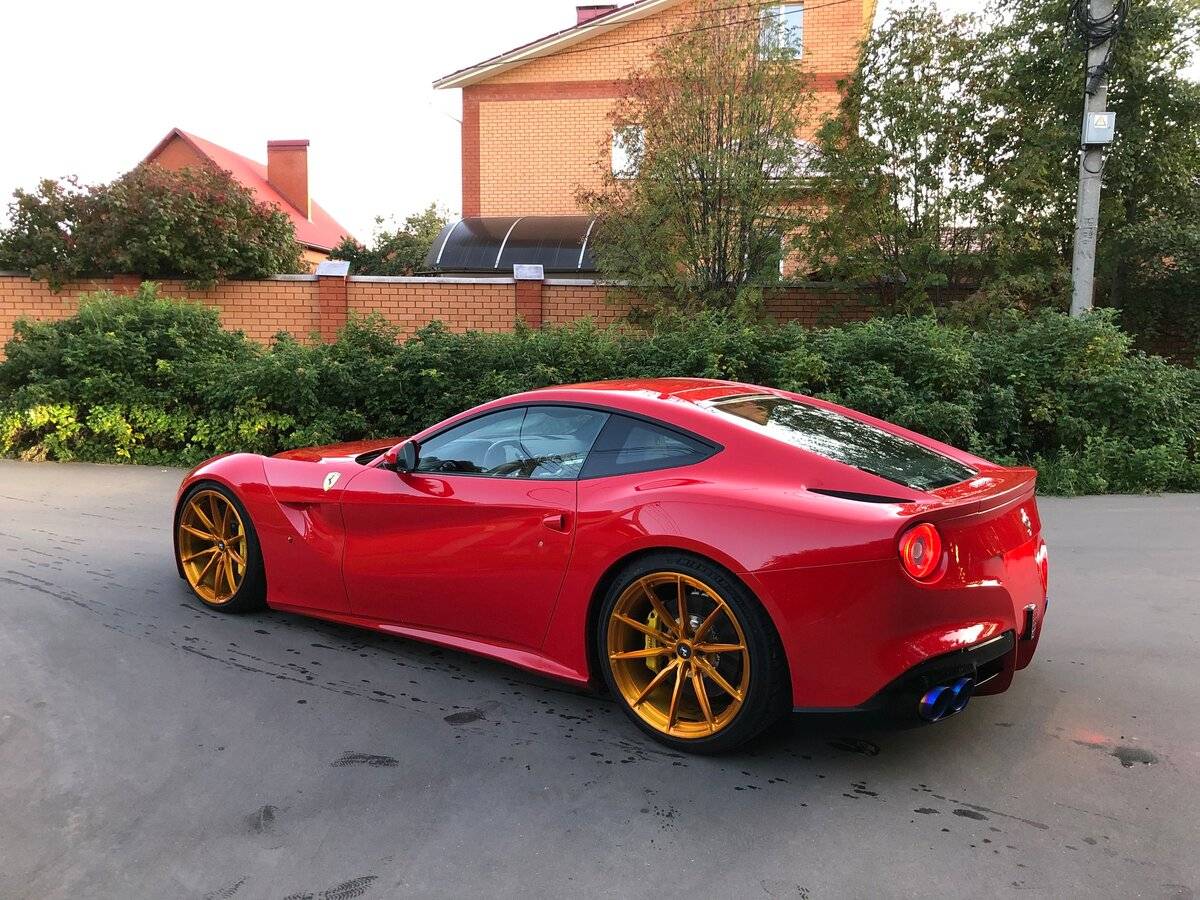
(765, 697)
(251, 593)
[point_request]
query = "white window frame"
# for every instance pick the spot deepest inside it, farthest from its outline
(807, 161)
(775, 21)
(808, 157)
(626, 153)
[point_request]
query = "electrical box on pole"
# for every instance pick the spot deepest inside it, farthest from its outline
(1098, 23)
(1099, 128)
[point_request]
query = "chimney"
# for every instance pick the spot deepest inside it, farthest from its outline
(287, 172)
(587, 13)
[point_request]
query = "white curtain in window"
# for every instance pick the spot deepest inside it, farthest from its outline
(627, 150)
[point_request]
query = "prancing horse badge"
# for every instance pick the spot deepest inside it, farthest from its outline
(331, 479)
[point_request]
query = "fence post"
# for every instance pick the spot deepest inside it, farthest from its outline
(332, 302)
(528, 281)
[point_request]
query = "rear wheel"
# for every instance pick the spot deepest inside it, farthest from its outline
(218, 551)
(690, 654)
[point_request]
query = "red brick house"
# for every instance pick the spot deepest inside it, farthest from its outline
(283, 181)
(535, 118)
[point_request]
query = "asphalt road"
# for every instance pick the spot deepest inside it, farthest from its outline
(151, 748)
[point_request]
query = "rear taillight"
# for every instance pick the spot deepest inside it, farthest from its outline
(921, 551)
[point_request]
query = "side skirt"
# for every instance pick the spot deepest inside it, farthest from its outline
(513, 656)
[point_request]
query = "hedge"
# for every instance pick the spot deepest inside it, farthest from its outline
(145, 379)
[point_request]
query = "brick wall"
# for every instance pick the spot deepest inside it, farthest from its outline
(308, 306)
(568, 301)
(259, 308)
(816, 307)
(480, 304)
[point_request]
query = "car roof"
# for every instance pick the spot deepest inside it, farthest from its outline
(693, 390)
(674, 401)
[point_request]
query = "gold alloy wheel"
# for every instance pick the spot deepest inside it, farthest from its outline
(678, 655)
(212, 546)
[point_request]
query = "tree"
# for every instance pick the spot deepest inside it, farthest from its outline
(400, 251)
(708, 130)
(897, 202)
(197, 224)
(1150, 205)
(953, 160)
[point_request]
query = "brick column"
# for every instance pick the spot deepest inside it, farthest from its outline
(527, 294)
(332, 303)
(471, 184)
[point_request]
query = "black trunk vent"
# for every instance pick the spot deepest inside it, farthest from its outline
(861, 498)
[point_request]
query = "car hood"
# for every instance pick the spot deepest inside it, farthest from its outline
(343, 451)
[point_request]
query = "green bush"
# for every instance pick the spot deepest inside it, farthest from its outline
(196, 224)
(400, 250)
(151, 380)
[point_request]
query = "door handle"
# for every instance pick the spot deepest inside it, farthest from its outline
(556, 521)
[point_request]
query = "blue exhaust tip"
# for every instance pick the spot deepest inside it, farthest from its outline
(934, 703)
(945, 699)
(963, 689)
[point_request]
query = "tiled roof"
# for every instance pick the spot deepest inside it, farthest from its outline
(321, 232)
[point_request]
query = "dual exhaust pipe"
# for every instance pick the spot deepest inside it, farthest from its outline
(945, 700)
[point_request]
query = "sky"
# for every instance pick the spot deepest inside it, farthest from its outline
(93, 87)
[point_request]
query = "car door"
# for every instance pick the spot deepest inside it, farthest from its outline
(476, 541)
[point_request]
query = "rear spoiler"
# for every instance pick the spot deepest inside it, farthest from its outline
(988, 491)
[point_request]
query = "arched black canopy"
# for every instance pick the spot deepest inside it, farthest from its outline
(494, 244)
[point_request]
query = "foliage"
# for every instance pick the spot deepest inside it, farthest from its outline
(953, 160)
(196, 224)
(144, 379)
(1162, 292)
(896, 204)
(1150, 204)
(698, 218)
(398, 251)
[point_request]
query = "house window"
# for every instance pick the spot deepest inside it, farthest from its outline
(805, 161)
(783, 28)
(627, 150)
(808, 158)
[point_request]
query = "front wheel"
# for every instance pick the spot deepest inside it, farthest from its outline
(217, 550)
(690, 654)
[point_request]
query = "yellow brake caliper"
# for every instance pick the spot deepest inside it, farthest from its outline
(653, 663)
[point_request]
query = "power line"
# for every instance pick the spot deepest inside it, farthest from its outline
(1095, 30)
(599, 21)
(667, 34)
(1098, 31)
(762, 15)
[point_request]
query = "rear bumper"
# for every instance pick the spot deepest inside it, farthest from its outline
(990, 664)
(874, 630)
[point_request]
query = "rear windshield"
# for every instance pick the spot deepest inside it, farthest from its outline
(846, 440)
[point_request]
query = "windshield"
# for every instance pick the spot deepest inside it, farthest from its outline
(845, 440)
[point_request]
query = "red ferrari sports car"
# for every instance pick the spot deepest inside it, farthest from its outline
(715, 553)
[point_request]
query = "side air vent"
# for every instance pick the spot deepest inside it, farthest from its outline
(861, 498)
(370, 456)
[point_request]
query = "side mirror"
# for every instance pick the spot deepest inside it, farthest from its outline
(403, 457)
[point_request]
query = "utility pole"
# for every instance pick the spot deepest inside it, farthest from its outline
(1099, 20)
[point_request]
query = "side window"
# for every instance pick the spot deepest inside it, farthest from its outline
(476, 447)
(540, 442)
(555, 440)
(630, 445)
